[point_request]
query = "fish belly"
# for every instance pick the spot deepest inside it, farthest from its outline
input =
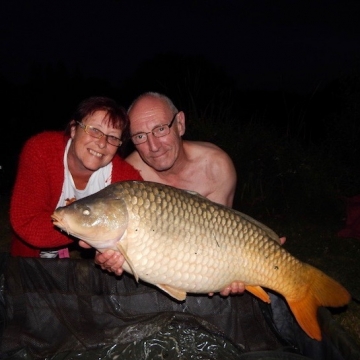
(176, 238)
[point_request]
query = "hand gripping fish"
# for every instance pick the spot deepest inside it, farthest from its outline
(184, 243)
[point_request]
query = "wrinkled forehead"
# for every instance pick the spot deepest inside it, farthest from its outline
(143, 119)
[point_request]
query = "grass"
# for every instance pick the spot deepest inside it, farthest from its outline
(337, 257)
(4, 223)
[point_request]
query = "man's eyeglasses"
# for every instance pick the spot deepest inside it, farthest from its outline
(157, 131)
(98, 134)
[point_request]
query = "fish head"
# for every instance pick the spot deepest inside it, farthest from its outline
(100, 222)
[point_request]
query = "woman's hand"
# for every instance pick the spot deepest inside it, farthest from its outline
(109, 260)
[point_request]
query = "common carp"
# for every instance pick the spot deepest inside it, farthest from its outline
(184, 243)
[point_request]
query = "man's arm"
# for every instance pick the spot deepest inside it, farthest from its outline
(223, 174)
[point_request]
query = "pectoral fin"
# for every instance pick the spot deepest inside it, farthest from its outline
(122, 250)
(259, 292)
(175, 293)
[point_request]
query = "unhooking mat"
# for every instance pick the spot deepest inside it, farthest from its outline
(71, 309)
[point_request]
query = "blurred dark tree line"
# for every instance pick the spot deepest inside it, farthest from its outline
(293, 152)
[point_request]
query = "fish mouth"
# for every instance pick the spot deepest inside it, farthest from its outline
(60, 223)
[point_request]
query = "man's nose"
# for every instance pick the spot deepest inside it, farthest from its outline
(153, 142)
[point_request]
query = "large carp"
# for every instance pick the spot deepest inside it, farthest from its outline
(184, 243)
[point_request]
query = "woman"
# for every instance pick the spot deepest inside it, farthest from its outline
(57, 167)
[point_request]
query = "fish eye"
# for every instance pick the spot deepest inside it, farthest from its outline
(86, 212)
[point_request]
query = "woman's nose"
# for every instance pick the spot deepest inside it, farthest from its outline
(101, 141)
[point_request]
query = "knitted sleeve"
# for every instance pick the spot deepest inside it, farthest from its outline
(123, 171)
(37, 189)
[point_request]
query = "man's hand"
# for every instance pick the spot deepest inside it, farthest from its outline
(236, 287)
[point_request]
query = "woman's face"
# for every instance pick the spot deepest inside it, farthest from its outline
(93, 153)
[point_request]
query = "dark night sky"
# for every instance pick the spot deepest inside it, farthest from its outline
(294, 44)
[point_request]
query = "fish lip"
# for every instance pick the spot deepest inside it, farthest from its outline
(62, 225)
(55, 219)
(59, 222)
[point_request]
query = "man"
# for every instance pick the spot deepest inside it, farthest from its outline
(156, 129)
(161, 155)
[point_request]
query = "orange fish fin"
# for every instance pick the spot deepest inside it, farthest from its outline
(131, 265)
(259, 292)
(173, 292)
(305, 312)
(321, 290)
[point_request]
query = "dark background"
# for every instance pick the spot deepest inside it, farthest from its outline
(293, 45)
(276, 84)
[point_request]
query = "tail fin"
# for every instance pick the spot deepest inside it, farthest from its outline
(322, 290)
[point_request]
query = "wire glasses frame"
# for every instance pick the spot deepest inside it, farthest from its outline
(158, 131)
(98, 134)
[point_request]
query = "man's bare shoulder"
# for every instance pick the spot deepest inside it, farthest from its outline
(146, 172)
(206, 150)
(133, 159)
(215, 171)
(216, 163)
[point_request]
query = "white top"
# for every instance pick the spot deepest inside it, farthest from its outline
(98, 181)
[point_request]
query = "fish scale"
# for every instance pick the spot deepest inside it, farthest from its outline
(182, 242)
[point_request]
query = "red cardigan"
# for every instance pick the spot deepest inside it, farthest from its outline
(37, 190)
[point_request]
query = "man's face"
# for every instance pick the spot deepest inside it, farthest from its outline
(160, 153)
